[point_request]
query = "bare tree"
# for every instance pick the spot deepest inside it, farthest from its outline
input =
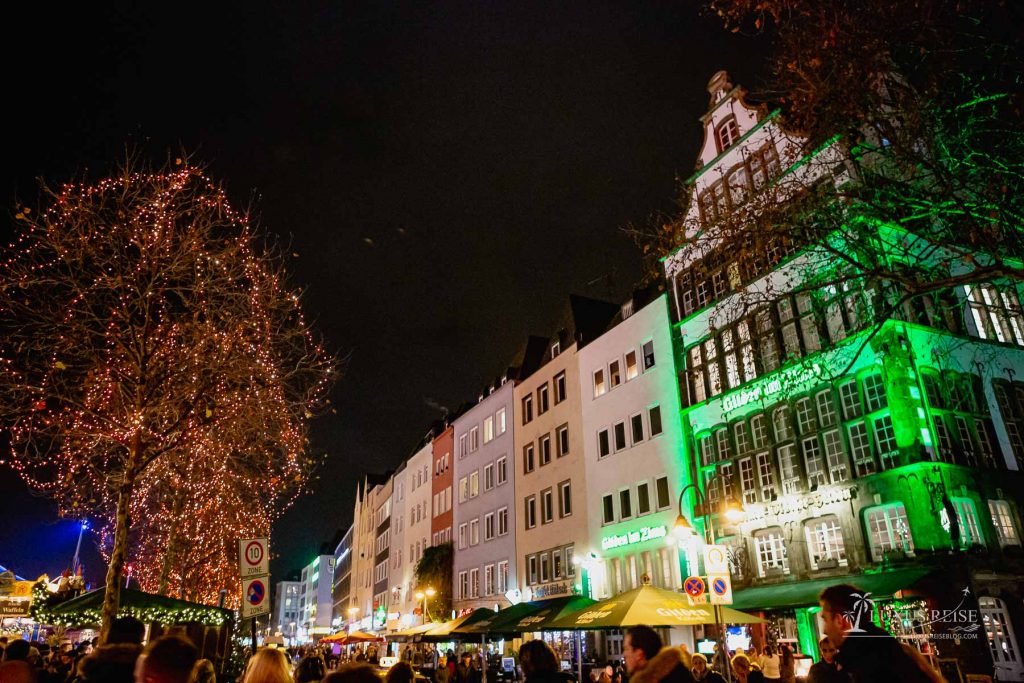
(143, 317)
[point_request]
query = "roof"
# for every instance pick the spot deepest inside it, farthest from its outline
(147, 607)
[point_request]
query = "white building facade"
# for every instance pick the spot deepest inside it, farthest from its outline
(484, 515)
(315, 600)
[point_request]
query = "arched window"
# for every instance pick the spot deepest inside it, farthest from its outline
(727, 133)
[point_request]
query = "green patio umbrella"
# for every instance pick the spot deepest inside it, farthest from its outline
(443, 632)
(527, 617)
(648, 606)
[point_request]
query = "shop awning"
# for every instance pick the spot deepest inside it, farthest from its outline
(649, 606)
(444, 632)
(805, 593)
(147, 607)
(527, 617)
(412, 633)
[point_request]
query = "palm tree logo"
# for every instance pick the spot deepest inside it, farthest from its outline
(863, 604)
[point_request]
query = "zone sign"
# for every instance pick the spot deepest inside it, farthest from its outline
(253, 557)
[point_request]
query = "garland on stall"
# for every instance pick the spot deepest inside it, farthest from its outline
(42, 611)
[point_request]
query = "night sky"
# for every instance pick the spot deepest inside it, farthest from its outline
(446, 172)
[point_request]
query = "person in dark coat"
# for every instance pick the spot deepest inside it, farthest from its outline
(702, 673)
(826, 670)
(648, 662)
(114, 661)
(539, 663)
(867, 653)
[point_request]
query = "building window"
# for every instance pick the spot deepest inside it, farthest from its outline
(1002, 520)
(560, 387)
(727, 133)
(789, 468)
(527, 408)
(501, 421)
(502, 464)
(547, 506)
(474, 531)
(759, 429)
(599, 386)
(643, 498)
(707, 450)
(528, 461)
(565, 499)
(488, 428)
(562, 435)
(530, 512)
(874, 392)
(603, 443)
(474, 583)
(620, 436)
(825, 542)
(742, 438)
(766, 475)
(556, 564)
(542, 399)
(502, 577)
(489, 526)
(662, 491)
(1001, 640)
(474, 484)
(545, 449)
(648, 353)
(502, 521)
(608, 508)
(850, 399)
(489, 580)
(996, 313)
(770, 550)
(632, 370)
(888, 531)
(531, 569)
(747, 487)
(545, 568)
(834, 456)
(614, 374)
(463, 440)
(860, 449)
(812, 462)
(463, 585)
(488, 477)
(783, 425)
(463, 489)
(636, 424)
(625, 504)
(805, 419)
(885, 439)
(474, 439)
(970, 530)
(826, 408)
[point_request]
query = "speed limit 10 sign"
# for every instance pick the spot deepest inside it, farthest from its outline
(254, 557)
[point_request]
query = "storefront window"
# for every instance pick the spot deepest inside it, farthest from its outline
(888, 531)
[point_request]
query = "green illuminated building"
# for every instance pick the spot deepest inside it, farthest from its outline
(872, 438)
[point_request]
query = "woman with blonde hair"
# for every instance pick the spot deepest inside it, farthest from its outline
(268, 665)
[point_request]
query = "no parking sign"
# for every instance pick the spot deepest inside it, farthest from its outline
(720, 589)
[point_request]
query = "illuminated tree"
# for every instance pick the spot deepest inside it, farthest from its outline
(146, 325)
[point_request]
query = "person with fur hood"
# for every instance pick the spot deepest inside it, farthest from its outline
(648, 662)
(114, 661)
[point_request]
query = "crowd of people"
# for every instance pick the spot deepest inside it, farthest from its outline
(851, 652)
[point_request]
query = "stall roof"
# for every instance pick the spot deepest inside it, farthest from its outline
(147, 607)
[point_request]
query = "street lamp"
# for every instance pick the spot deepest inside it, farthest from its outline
(423, 595)
(78, 546)
(684, 529)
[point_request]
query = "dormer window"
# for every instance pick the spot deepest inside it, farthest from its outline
(727, 133)
(556, 348)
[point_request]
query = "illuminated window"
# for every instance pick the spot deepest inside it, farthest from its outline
(874, 393)
(599, 385)
(850, 399)
(783, 425)
(747, 486)
(1002, 520)
(742, 438)
(727, 133)
(996, 313)
(967, 516)
(834, 457)
(502, 577)
(766, 475)
(489, 580)
(631, 365)
(770, 551)
(805, 416)
(648, 353)
(826, 408)
(813, 462)
(614, 374)
(488, 428)
(860, 449)
(789, 468)
(707, 450)
(825, 542)
(888, 531)
(759, 429)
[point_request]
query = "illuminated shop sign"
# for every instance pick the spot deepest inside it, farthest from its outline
(647, 533)
(786, 380)
(798, 505)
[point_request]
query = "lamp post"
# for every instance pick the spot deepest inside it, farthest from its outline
(423, 595)
(78, 546)
(684, 529)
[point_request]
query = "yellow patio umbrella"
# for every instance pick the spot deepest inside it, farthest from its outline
(648, 606)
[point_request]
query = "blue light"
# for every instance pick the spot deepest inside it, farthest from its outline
(85, 524)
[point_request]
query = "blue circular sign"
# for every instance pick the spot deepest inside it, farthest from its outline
(256, 592)
(718, 585)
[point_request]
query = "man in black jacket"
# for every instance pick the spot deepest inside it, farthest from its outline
(867, 654)
(648, 662)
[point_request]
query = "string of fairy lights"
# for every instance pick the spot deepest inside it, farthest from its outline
(153, 350)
